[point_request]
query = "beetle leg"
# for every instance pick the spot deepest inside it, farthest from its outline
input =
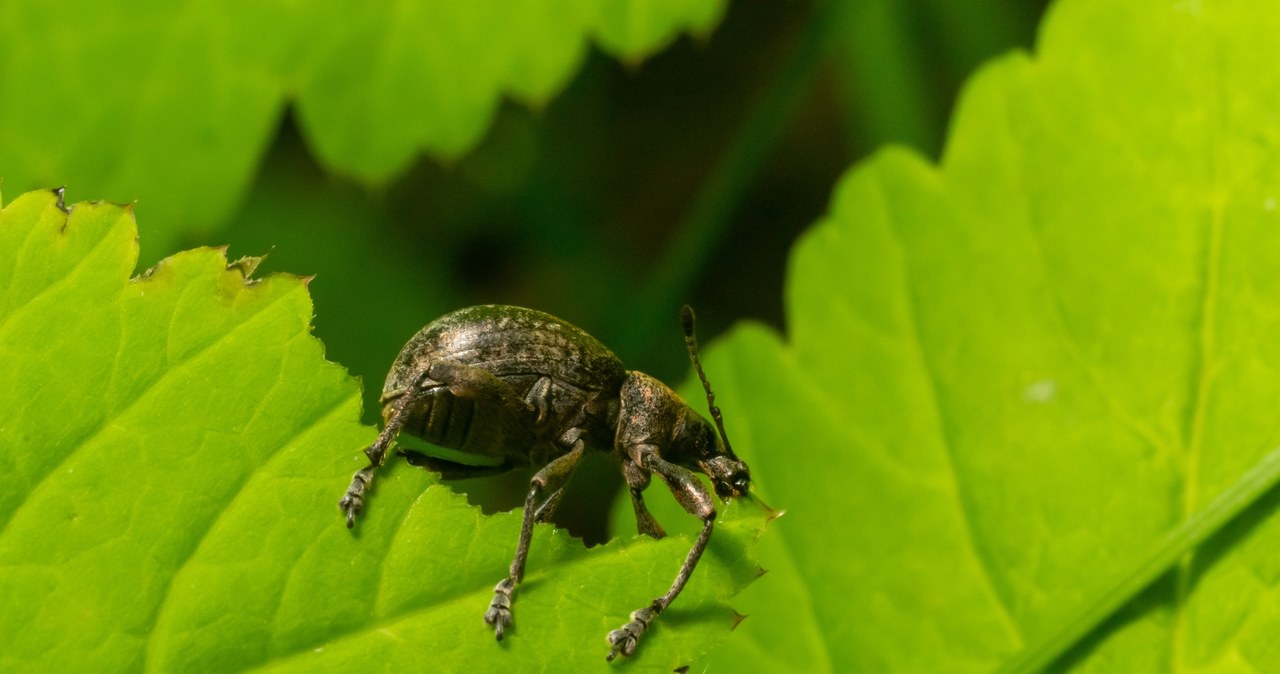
(637, 480)
(468, 381)
(462, 380)
(695, 499)
(352, 502)
(539, 398)
(548, 507)
(551, 479)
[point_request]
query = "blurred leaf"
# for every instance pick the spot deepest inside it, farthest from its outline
(1008, 378)
(371, 294)
(174, 446)
(174, 103)
(885, 79)
(902, 62)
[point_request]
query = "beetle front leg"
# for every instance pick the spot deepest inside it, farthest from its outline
(550, 480)
(352, 502)
(695, 499)
(637, 480)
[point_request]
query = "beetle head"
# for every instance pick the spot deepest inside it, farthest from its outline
(697, 446)
(729, 474)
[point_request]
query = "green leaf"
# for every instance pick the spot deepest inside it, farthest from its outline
(1015, 382)
(174, 445)
(173, 104)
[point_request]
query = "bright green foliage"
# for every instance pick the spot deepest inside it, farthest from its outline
(1005, 379)
(173, 447)
(173, 103)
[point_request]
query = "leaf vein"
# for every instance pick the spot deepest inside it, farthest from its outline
(150, 387)
(985, 564)
(1200, 381)
(148, 661)
(8, 319)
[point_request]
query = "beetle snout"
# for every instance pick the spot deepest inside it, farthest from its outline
(730, 477)
(728, 490)
(738, 484)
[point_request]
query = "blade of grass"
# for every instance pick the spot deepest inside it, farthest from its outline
(1191, 533)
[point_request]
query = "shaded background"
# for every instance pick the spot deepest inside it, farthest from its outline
(681, 178)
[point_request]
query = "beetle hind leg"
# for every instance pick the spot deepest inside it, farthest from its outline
(550, 480)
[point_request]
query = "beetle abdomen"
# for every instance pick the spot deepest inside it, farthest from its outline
(442, 419)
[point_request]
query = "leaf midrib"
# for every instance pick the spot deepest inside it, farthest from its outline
(1201, 381)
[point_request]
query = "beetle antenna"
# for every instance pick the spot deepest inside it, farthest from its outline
(690, 341)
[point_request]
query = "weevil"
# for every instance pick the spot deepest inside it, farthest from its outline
(524, 388)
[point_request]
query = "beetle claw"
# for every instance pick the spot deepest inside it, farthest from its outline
(352, 502)
(625, 638)
(499, 613)
(351, 505)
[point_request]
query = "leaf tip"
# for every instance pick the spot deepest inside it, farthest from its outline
(769, 512)
(246, 265)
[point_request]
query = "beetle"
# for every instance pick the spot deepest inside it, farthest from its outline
(524, 388)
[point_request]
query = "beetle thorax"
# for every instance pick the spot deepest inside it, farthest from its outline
(652, 414)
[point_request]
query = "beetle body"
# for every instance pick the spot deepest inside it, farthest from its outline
(521, 387)
(566, 378)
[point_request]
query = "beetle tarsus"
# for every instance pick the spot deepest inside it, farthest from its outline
(625, 638)
(499, 613)
(352, 502)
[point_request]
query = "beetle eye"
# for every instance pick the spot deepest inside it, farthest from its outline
(736, 483)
